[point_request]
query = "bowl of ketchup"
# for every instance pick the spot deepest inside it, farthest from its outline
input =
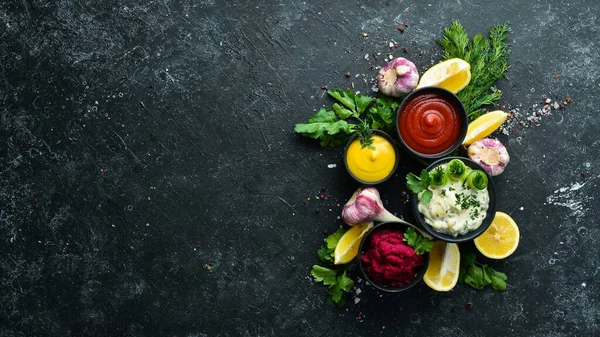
(432, 122)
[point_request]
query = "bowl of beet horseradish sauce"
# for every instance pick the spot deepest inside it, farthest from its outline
(432, 122)
(387, 261)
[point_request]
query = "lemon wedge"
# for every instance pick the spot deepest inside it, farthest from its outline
(501, 239)
(484, 125)
(347, 248)
(444, 266)
(453, 75)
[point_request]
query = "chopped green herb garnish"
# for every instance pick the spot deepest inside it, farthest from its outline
(420, 243)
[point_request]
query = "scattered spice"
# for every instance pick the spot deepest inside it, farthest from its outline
(317, 210)
(405, 50)
(322, 196)
(323, 188)
(469, 306)
(325, 87)
(401, 308)
(405, 23)
(348, 74)
(556, 76)
(325, 232)
(401, 29)
(101, 170)
(568, 100)
(208, 267)
(364, 34)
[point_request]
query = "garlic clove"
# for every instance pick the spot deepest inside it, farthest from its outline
(398, 77)
(364, 205)
(490, 154)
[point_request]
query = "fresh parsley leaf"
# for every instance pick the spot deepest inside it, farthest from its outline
(325, 125)
(382, 115)
(326, 251)
(332, 240)
(488, 58)
(347, 98)
(417, 184)
(341, 112)
(478, 275)
(345, 283)
(335, 296)
(420, 243)
(474, 277)
(426, 196)
(362, 102)
(325, 255)
(467, 259)
(325, 275)
(338, 282)
(498, 280)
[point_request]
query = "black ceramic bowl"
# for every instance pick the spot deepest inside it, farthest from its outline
(454, 101)
(370, 183)
(489, 217)
(364, 245)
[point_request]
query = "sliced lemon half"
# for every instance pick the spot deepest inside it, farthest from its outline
(501, 239)
(444, 266)
(453, 75)
(484, 125)
(347, 248)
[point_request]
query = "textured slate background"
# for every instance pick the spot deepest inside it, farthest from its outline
(145, 143)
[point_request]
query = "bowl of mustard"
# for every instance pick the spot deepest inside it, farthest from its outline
(372, 164)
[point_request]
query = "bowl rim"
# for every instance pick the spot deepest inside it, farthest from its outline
(487, 221)
(416, 280)
(462, 112)
(396, 151)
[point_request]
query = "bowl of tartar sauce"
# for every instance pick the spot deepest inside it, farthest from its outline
(456, 212)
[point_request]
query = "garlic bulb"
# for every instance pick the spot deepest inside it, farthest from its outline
(490, 154)
(365, 206)
(398, 77)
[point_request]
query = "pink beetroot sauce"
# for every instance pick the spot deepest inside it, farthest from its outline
(388, 260)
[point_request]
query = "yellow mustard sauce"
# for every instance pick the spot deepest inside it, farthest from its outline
(371, 165)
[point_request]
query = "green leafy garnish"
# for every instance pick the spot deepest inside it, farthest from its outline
(488, 58)
(478, 275)
(336, 279)
(417, 184)
(326, 126)
(420, 243)
(332, 128)
(382, 114)
(326, 252)
(365, 135)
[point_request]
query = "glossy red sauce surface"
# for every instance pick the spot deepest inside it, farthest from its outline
(429, 123)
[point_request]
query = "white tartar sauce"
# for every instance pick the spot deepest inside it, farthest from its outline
(455, 209)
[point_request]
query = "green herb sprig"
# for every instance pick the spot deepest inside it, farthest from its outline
(479, 275)
(349, 115)
(420, 243)
(336, 279)
(417, 184)
(488, 58)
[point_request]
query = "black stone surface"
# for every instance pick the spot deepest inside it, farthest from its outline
(151, 183)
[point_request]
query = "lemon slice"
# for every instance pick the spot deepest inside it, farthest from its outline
(484, 125)
(453, 75)
(444, 266)
(501, 239)
(347, 248)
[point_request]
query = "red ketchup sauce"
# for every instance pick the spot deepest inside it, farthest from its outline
(429, 123)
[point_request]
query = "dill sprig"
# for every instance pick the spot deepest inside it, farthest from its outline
(365, 135)
(488, 58)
